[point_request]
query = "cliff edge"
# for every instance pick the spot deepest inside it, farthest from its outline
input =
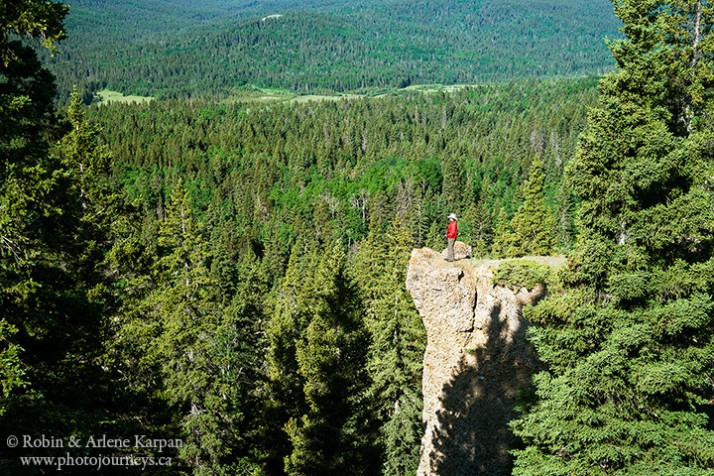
(476, 361)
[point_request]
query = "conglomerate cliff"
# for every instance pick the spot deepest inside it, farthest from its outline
(477, 360)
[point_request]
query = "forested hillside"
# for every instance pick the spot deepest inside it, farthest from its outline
(419, 154)
(229, 276)
(211, 49)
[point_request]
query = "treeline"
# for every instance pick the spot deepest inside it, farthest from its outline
(339, 47)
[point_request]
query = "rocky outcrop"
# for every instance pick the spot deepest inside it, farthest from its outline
(461, 251)
(477, 360)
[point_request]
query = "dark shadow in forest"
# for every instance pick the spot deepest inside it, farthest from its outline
(473, 437)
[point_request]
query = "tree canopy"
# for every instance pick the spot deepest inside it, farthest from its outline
(629, 346)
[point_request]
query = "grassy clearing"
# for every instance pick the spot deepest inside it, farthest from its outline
(269, 17)
(435, 88)
(255, 93)
(258, 94)
(107, 96)
(315, 97)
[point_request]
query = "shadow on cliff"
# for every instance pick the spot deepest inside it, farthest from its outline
(473, 437)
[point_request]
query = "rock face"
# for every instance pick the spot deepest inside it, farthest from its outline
(477, 359)
(461, 251)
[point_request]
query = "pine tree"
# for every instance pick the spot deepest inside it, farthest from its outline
(630, 346)
(533, 224)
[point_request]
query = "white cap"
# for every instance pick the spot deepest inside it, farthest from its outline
(452, 216)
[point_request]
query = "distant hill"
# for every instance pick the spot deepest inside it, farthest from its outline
(184, 49)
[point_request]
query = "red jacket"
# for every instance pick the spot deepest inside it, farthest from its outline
(452, 231)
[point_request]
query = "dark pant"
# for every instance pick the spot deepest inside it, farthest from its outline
(450, 249)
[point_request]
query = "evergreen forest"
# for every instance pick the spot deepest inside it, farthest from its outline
(222, 275)
(217, 48)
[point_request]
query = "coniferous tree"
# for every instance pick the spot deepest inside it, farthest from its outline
(97, 199)
(285, 325)
(231, 419)
(504, 243)
(398, 342)
(435, 238)
(453, 182)
(30, 189)
(185, 308)
(333, 435)
(565, 226)
(176, 347)
(11, 373)
(481, 236)
(533, 224)
(629, 347)
(51, 332)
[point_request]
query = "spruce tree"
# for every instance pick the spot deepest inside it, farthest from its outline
(185, 308)
(11, 371)
(51, 334)
(504, 242)
(629, 347)
(533, 224)
(31, 190)
(234, 376)
(435, 238)
(565, 226)
(481, 236)
(332, 436)
(397, 348)
(317, 357)
(96, 198)
(453, 182)
(286, 323)
(185, 354)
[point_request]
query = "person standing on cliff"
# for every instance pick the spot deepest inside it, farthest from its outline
(452, 231)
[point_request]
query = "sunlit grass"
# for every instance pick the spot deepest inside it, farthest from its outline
(107, 96)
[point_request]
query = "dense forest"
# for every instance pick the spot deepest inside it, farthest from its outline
(213, 49)
(227, 278)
